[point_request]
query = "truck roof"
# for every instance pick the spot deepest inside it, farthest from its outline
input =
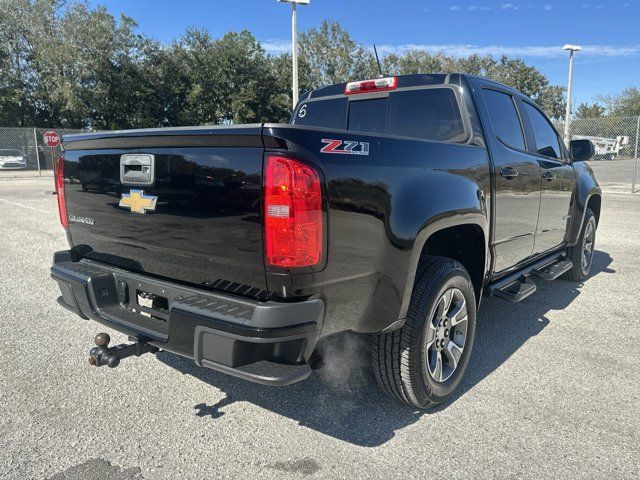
(414, 80)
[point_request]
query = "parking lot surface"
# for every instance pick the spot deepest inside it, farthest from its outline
(552, 389)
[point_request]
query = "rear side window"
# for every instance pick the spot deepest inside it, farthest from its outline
(547, 143)
(323, 113)
(504, 118)
(430, 114)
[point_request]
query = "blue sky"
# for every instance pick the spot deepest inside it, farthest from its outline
(609, 30)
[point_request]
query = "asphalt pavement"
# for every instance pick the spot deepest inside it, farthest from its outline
(552, 390)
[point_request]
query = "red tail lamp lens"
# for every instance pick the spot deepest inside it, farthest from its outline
(293, 213)
(62, 203)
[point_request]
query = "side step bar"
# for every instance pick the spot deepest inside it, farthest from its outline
(518, 286)
(516, 291)
(554, 270)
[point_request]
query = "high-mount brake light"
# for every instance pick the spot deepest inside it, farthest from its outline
(62, 202)
(293, 223)
(369, 86)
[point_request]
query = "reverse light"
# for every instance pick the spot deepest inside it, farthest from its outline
(369, 86)
(62, 203)
(293, 213)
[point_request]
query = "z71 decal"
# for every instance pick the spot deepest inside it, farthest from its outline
(345, 147)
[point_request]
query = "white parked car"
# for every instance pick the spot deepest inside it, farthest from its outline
(12, 159)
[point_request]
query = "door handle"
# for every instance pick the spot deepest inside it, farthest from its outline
(548, 176)
(137, 169)
(508, 172)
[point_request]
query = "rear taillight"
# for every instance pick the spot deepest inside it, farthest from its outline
(292, 213)
(369, 86)
(62, 203)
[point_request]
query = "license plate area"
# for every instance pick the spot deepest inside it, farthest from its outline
(152, 304)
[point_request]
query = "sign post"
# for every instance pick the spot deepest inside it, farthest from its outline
(52, 139)
(35, 143)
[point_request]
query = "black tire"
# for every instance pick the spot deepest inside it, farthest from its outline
(400, 357)
(579, 272)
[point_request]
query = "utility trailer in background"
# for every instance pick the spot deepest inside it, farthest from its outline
(606, 148)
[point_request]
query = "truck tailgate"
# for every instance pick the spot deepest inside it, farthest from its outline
(198, 222)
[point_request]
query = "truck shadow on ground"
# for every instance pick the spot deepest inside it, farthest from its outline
(342, 401)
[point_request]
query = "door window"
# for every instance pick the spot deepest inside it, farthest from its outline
(546, 138)
(504, 118)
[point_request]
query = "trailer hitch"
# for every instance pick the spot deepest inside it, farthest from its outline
(102, 354)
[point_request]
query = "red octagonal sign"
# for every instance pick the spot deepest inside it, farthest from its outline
(51, 138)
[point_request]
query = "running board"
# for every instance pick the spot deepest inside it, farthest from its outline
(516, 291)
(554, 270)
(517, 286)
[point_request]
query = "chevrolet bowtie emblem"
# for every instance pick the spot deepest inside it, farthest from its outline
(138, 202)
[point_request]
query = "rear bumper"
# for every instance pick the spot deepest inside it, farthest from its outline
(265, 342)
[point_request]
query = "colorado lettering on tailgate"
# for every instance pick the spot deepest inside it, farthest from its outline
(345, 147)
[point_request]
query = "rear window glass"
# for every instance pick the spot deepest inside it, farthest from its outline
(323, 113)
(431, 114)
(428, 114)
(368, 115)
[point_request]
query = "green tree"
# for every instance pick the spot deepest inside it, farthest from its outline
(64, 63)
(585, 110)
(22, 24)
(332, 56)
(627, 104)
(513, 72)
(229, 80)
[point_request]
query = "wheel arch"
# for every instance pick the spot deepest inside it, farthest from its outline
(451, 240)
(594, 204)
(587, 195)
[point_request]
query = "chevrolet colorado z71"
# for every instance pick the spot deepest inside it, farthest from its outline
(386, 207)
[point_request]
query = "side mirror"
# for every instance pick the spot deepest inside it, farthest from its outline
(582, 150)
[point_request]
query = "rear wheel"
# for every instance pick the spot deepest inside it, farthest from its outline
(581, 254)
(423, 362)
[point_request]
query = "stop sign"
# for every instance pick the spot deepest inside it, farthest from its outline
(51, 138)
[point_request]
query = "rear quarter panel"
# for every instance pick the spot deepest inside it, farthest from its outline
(381, 209)
(587, 187)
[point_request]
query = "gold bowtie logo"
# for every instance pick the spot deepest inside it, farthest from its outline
(138, 202)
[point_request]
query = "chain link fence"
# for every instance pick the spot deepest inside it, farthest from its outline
(23, 152)
(616, 143)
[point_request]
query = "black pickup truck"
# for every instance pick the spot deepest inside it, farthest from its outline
(386, 207)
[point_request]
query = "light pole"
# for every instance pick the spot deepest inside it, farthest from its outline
(567, 119)
(294, 43)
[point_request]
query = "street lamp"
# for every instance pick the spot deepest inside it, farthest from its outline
(294, 43)
(567, 119)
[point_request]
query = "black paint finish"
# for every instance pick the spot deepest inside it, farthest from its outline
(207, 226)
(381, 209)
(377, 206)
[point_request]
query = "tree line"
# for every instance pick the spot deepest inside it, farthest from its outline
(625, 104)
(70, 65)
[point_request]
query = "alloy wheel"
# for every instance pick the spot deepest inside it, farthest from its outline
(588, 244)
(446, 335)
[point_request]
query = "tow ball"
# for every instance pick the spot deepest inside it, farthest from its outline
(102, 354)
